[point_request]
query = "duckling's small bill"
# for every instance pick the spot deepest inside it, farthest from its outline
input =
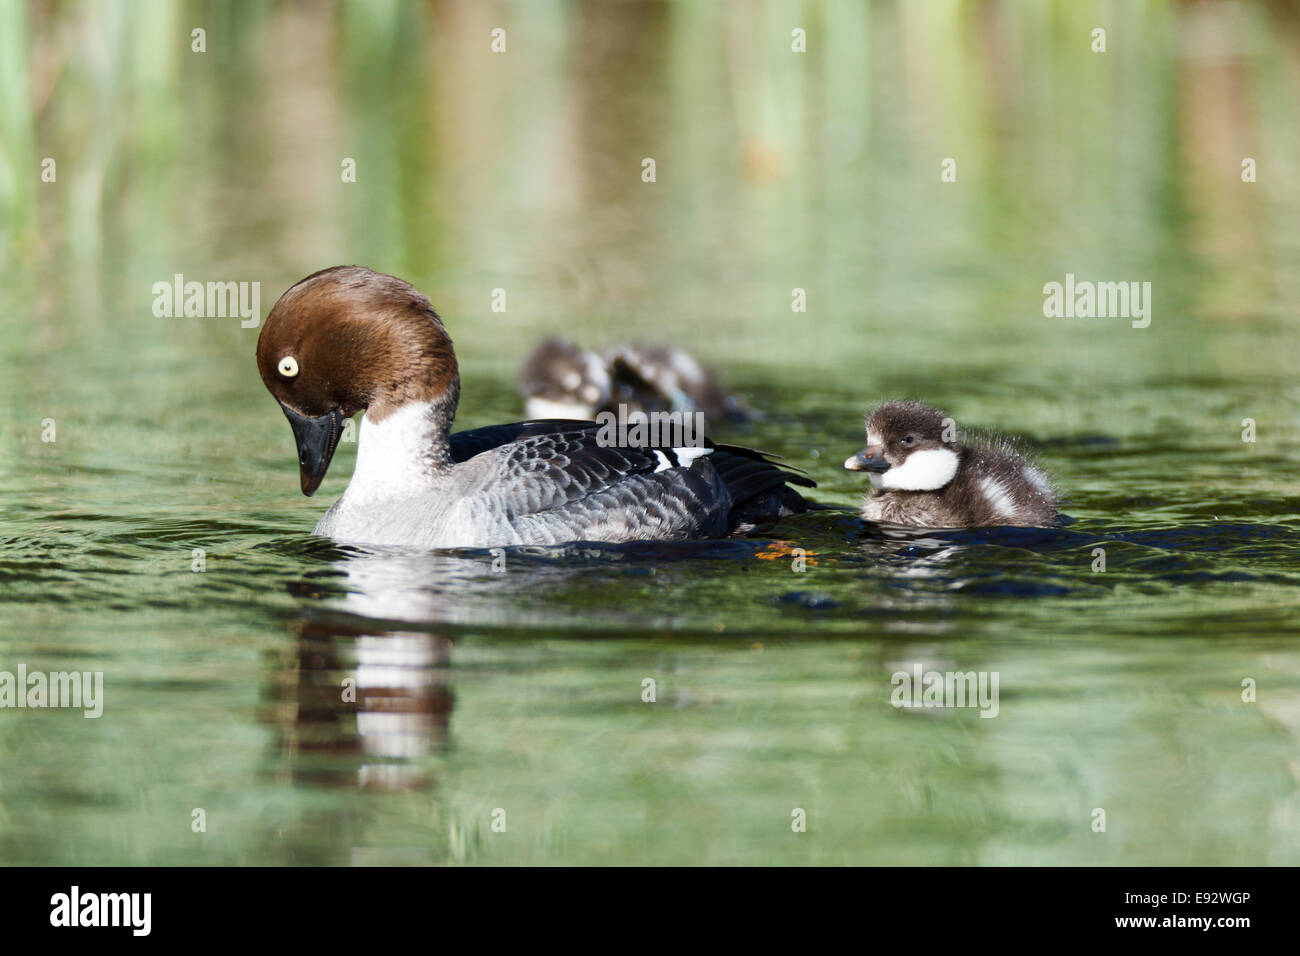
(871, 458)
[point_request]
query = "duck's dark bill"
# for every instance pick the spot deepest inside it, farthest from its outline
(870, 458)
(316, 438)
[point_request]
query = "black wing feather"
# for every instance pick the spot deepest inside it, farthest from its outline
(575, 466)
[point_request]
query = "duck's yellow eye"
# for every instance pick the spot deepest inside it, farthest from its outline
(288, 366)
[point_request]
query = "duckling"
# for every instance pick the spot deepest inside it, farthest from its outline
(666, 378)
(559, 379)
(923, 476)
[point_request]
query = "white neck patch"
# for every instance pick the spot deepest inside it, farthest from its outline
(926, 470)
(394, 455)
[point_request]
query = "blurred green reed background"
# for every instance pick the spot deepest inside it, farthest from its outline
(775, 170)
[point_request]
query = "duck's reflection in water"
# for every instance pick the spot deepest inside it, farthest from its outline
(366, 707)
(403, 703)
(372, 675)
(363, 701)
(483, 588)
(367, 699)
(357, 707)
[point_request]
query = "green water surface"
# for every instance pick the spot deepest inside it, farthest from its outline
(489, 695)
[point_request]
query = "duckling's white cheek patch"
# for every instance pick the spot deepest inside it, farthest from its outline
(543, 408)
(925, 470)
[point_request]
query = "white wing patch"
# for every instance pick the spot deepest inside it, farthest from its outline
(685, 456)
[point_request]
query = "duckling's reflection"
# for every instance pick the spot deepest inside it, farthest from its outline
(928, 556)
(934, 566)
(909, 554)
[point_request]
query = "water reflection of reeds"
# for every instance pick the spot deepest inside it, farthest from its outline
(1066, 158)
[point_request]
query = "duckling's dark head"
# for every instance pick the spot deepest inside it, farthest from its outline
(910, 447)
(561, 380)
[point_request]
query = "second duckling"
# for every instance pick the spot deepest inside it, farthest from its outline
(560, 379)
